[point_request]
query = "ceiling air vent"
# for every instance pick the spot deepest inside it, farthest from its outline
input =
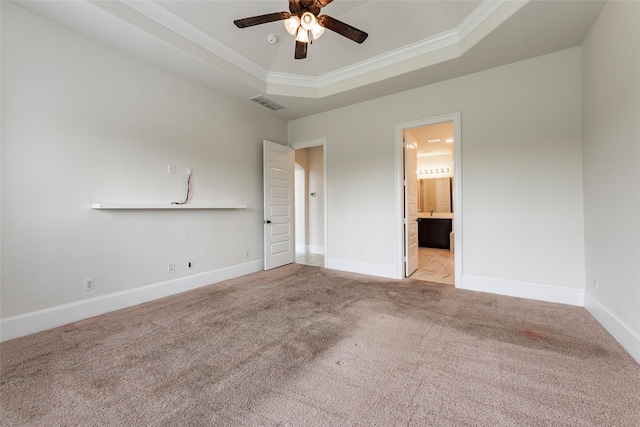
(266, 102)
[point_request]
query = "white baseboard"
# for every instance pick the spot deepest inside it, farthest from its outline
(626, 337)
(315, 249)
(41, 320)
(300, 249)
(388, 271)
(534, 291)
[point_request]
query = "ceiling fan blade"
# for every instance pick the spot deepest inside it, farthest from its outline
(323, 3)
(261, 19)
(301, 50)
(343, 29)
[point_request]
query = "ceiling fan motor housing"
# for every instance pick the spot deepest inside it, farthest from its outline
(299, 7)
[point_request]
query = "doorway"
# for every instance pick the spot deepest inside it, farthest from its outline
(436, 146)
(310, 202)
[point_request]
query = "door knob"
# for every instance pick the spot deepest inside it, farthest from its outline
(267, 221)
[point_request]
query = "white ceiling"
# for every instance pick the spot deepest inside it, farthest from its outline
(441, 132)
(410, 43)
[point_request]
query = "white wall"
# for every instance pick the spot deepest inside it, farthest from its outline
(316, 204)
(611, 128)
(301, 214)
(310, 209)
(436, 162)
(521, 173)
(82, 122)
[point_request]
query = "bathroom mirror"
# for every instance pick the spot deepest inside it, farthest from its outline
(435, 194)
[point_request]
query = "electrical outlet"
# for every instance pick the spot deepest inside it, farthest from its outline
(246, 254)
(171, 168)
(172, 268)
(190, 265)
(88, 284)
(595, 282)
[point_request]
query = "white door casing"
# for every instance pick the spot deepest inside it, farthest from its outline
(457, 189)
(278, 174)
(410, 206)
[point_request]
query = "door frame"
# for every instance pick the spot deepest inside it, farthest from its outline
(457, 188)
(316, 143)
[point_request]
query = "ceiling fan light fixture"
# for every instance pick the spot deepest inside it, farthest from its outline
(308, 20)
(317, 31)
(291, 24)
(303, 35)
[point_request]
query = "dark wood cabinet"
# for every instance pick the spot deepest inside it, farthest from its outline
(434, 232)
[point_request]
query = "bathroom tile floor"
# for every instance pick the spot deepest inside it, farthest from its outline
(435, 265)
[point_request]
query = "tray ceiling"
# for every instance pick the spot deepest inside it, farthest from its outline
(410, 44)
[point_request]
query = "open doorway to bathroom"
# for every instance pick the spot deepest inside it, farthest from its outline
(435, 177)
(432, 208)
(310, 195)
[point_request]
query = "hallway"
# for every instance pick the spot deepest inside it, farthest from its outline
(307, 258)
(436, 265)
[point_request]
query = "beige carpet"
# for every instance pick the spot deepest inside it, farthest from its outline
(305, 346)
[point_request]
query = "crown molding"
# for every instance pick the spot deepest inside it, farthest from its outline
(170, 20)
(393, 57)
(296, 80)
(421, 49)
(478, 15)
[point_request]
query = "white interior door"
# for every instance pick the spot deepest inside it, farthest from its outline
(410, 206)
(278, 171)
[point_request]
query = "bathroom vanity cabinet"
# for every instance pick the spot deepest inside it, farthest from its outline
(434, 232)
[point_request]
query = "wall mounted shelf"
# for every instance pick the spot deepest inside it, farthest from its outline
(156, 206)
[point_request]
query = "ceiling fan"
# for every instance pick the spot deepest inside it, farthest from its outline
(303, 21)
